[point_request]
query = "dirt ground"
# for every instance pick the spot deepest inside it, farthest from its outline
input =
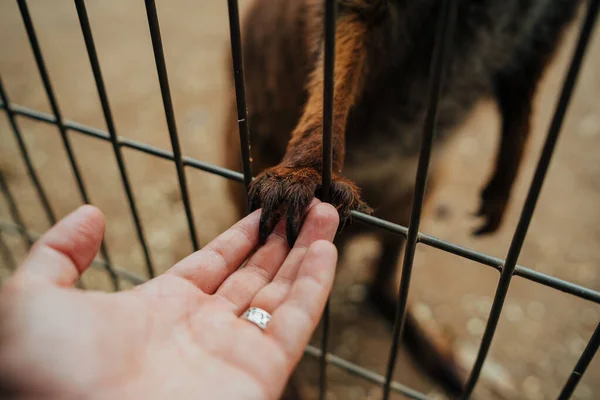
(542, 332)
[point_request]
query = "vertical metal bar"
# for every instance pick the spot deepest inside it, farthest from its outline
(443, 39)
(328, 92)
(327, 145)
(14, 212)
(7, 255)
(163, 79)
(25, 155)
(240, 89)
(41, 64)
(581, 366)
(532, 196)
(110, 125)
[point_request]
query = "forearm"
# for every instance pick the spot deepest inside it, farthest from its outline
(305, 146)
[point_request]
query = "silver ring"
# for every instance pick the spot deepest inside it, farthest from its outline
(258, 316)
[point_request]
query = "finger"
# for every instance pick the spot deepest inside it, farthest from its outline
(210, 266)
(62, 254)
(321, 224)
(294, 321)
(241, 286)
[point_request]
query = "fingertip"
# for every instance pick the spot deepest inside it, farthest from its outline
(321, 222)
(325, 214)
(79, 235)
(67, 249)
(90, 222)
(89, 208)
(314, 202)
(323, 249)
(93, 215)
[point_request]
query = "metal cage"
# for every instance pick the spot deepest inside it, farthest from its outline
(506, 268)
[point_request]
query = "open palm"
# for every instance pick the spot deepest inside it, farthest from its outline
(176, 336)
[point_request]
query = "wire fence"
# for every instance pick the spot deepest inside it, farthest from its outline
(506, 268)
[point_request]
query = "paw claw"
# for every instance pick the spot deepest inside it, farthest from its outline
(268, 219)
(267, 223)
(253, 202)
(291, 229)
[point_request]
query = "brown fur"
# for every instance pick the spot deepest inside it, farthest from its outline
(383, 51)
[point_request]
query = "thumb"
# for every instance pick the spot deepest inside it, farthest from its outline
(62, 254)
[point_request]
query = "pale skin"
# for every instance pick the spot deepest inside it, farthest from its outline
(178, 336)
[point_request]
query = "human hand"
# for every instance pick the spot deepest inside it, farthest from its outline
(176, 336)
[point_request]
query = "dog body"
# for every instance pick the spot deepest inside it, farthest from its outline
(499, 50)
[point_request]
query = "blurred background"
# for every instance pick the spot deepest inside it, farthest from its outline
(541, 333)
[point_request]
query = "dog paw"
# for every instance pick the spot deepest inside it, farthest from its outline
(284, 192)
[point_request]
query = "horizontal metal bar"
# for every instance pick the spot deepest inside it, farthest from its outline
(132, 144)
(431, 241)
(380, 223)
(559, 284)
(364, 373)
(465, 252)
